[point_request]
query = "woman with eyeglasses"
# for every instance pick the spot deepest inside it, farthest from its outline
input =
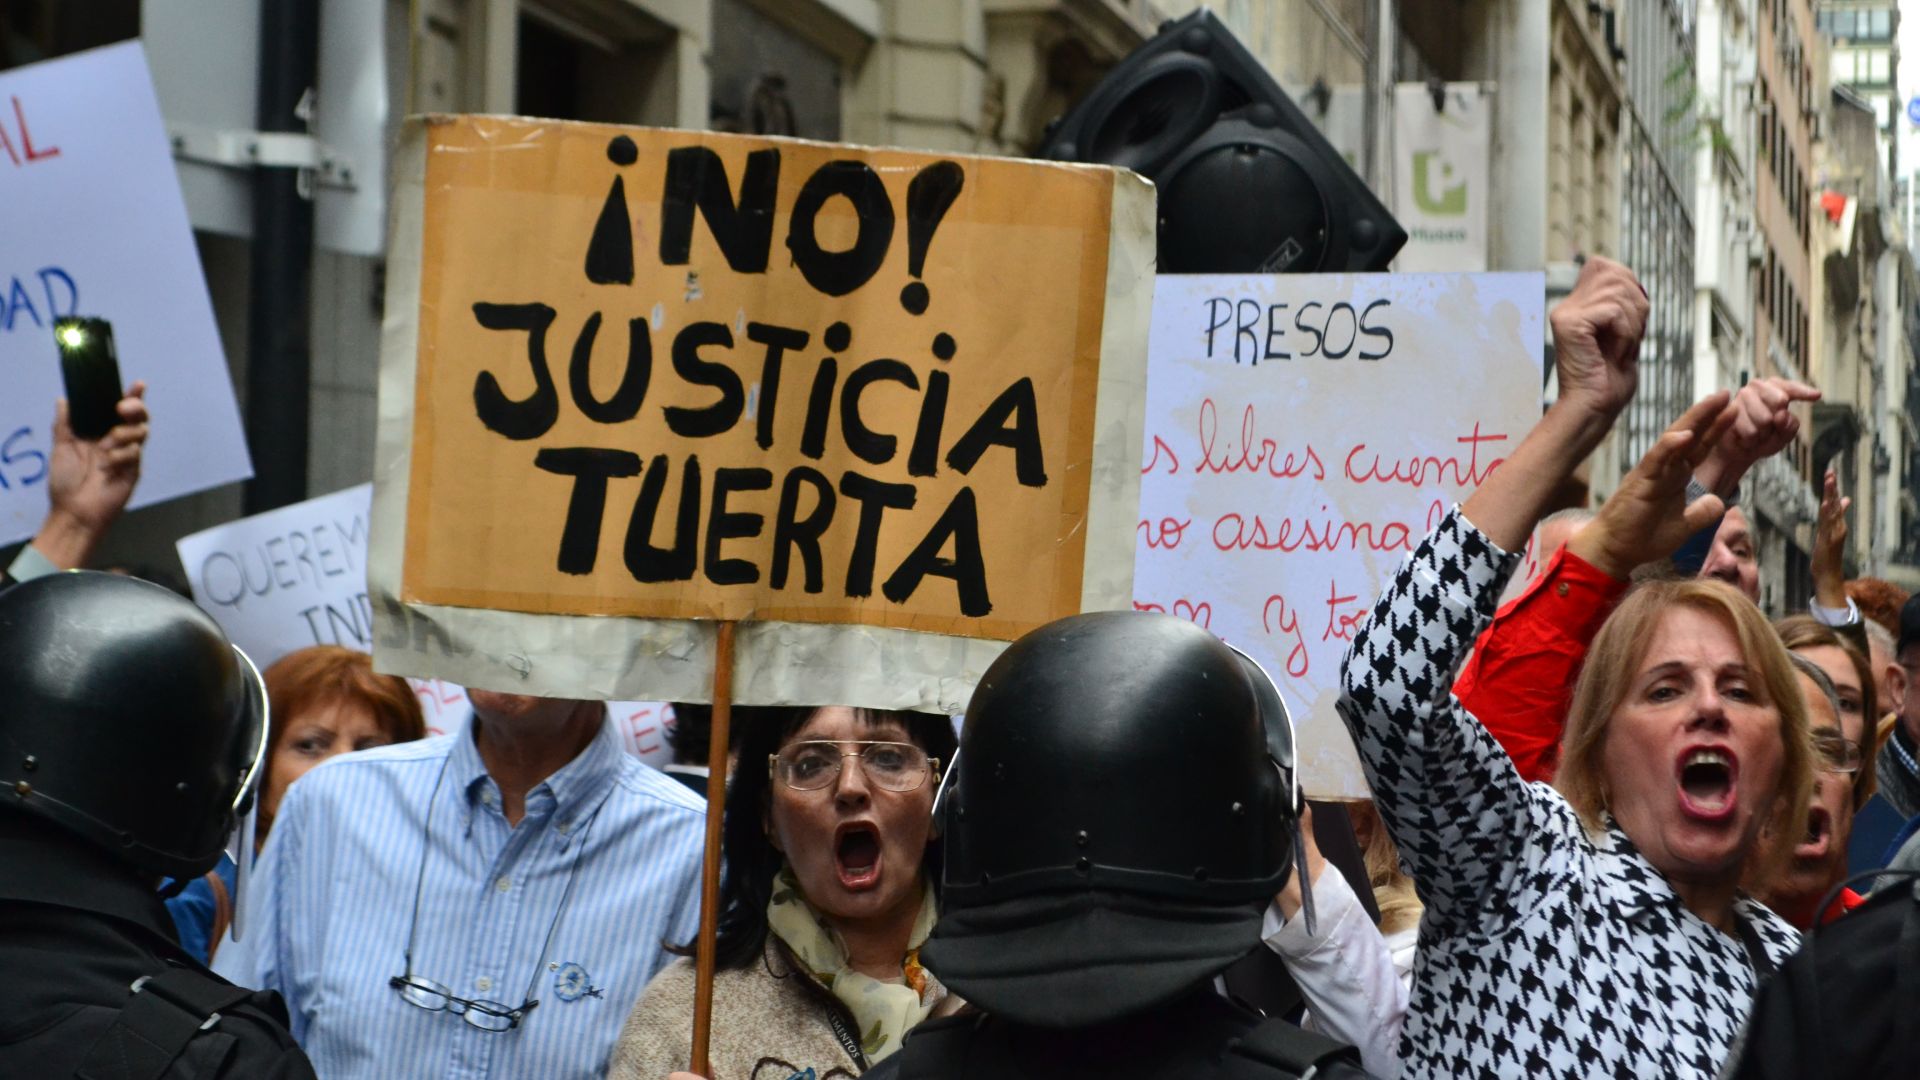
(1838, 685)
(827, 896)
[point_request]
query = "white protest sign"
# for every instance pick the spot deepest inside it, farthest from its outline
(94, 225)
(1303, 434)
(297, 576)
(288, 578)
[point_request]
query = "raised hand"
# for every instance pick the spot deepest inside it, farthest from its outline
(1763, 426)
(1830, 546)
(1596, 338)
(90, 481)
(1648, 517)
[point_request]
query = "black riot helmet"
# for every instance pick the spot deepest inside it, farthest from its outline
(127, 718)
(1122, 809)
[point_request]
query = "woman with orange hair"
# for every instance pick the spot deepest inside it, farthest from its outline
(324, 700)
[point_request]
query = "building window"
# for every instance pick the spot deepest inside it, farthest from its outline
(767, 80)
(611, 73)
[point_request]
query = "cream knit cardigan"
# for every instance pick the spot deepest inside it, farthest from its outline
(769, 1022)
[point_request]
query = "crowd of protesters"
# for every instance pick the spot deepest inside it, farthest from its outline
(1606, 816)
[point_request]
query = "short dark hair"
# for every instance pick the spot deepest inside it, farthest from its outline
(751, 860)
(691, 732)
(1909, 625)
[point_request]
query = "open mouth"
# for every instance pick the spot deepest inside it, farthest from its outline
(856, 855)
(1707, 778)
(1819, 836)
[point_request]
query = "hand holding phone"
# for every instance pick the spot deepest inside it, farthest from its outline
(91, 370)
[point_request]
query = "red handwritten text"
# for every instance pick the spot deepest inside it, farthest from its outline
(1343, 617)
(1421, 471)
(1284, 622)
(1239, 532)
(1159, 447)
(24, 153)
(1194, 611)
(1165, 533)
(1257, 455)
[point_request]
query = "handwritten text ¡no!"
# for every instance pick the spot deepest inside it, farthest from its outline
(774, 436)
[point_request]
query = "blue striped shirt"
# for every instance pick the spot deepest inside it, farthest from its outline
(328, 908)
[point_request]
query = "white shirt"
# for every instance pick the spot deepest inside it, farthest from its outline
(332, 900)
(1355, 979)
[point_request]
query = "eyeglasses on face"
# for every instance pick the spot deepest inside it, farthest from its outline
(485, 1015)
(893, 766)
(1837, 753)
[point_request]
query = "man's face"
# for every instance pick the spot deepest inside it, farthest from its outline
(1731, 558)
(521, 712)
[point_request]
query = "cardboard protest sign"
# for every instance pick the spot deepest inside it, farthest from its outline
(94, 225)
(675, 376)
(1303, 434)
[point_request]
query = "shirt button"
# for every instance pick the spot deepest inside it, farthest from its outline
(504, 883)
(565, 827)
(483, 984)
(487, 797)
(1560, 589)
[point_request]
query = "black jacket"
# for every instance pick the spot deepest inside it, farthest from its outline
(77, 929)
(1202, 1036)
(1848, 1003)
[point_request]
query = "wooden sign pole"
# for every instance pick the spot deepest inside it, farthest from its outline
(710, 872)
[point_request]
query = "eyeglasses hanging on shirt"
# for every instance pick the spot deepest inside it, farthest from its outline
(489, 1016)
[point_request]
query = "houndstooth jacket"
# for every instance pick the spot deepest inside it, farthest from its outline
(1545, 950)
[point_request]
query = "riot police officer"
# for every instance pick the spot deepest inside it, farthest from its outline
(1123, 808)
(131, 738)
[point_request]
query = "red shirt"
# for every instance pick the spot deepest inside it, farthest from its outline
(1519, 680)
(1845, 902)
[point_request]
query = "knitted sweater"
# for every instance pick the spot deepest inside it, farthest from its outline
(770, 1022)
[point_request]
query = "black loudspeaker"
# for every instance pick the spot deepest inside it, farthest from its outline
(1247, 184)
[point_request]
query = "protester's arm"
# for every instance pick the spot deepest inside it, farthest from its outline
(1344, 969)
(1831, 604)
(1520, 677)
(88, 485)
(1649, 516)
(1763, 425)
(1456, 807)
(1458, 810)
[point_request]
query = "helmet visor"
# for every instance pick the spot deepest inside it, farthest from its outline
(246, 802)
(1277, 721)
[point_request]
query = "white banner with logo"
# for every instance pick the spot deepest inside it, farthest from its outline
(1442, 162)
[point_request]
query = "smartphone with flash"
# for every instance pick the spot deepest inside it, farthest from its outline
(91, 370)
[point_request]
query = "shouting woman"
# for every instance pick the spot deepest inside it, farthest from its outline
(826, 902)
(1598, 929)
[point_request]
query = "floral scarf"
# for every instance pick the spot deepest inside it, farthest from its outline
(882, 1011)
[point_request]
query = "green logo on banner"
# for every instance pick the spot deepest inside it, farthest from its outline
(1451, 201)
